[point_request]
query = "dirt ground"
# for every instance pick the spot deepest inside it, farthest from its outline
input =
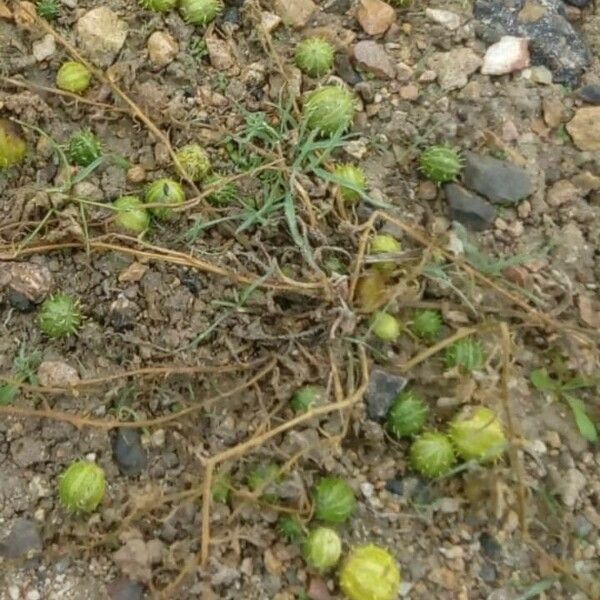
(197, 333)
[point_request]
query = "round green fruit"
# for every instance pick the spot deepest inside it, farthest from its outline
(73, 77)
(131, 214)
(427, 324)
(200, 12)
(48, 9)
(159, 5)
(314, 56)
(164, 191)
(84, 147)
(322, 549)
(334, 500)
(467, 355)
(306, 397)
(353, 182)
(478, 437)
(441, 164)
(370, 573)
(290, 528)
(12, 146)
(82, 486)
(432, 454)
(385, 326)
(60, 316)
(407, 415)
(222, 192)
(329, 110)
(194, 161)
(384, 243)
(264, 477)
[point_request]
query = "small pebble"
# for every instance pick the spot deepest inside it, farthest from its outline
(128, 452)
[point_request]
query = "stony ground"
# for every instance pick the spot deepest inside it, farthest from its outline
(171, 326)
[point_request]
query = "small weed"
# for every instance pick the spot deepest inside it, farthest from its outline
(197, 47)
(25, 365)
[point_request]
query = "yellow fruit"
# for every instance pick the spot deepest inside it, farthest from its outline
(12, 146)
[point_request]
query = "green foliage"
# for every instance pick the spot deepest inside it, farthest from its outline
(221, 488)
(467, 355)
(432, 454)
(290, 529)
(25, 365)
(441, 164)
(84, 147)
(334, 500)
(223, 192)
(60, 316)
(48, 9)
(314, 56)
(427, 324)
(262, 478)
(407, 415)
(306, 397)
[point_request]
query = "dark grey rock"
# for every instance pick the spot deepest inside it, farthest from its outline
(473, 211)
(395, 486)
(490, 546)
(553, 41)
(345, 70)
(590, 93)
(123, 589)
(578, 3)
(582, 526)
(488, 572)
(128, 452)
(23, 540)
(20, 302)
(501, 182)
(383, 389)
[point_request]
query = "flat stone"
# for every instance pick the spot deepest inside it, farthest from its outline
(584, 128)
(454, 68)
(553, 41)
(372, 57)
(490, 546)
(270, 21)
(506, 56)
(570, 486)
(446, 18)
(124, 589)
(55, 373)
(469, 209)
(383, 389)
(44, 48)
(101, 35)
(590, 93)
(219, 53)
(162, 48)
(296, 13)
(562, 192)
(28, 451)
(501, 182)
(375, 16)
(24, 540)
(128, 452)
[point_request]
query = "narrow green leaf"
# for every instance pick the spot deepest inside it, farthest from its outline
(537, 588)
(542, 381)
(584, 423)
(8, 392)
(580, 382)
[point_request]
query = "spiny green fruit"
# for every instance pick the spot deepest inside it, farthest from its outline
(370, 573)
(384, 243)
(84, 147)
(432, 454)
(81, 487)
(264, 476)
(164, 191)
(467, 354)
(307, 396)
(221, 488)
(200, 12)
(12, 146)
(385, 326)
(407, 415)
(329, 110)
(60, 315)
(159, 5)
(322, 549)
(194, 161)
(480, 436)
(131, 214)
(427, 324)
(73, 77)
(223, 192)
(352, 181)
(334, 500)
(315, 56)
(290, 528)
(48, 9)
(441, 163)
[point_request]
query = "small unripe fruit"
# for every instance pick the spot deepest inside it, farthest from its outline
(385, 326)
(264, 477)
(370, 573)
(352, 178)
(306, 397)
(290, 528)
(467, 354)
(159, 5)
(59, 316)
(432, 454)
(82, 486)
(223, 192)
(322, 549)
(441, 164)
(84, 147)
(131, 214)
(478, 437)
(334, 500)
(73, 77)
(200, 12)
(407, 416)
(164, 191)
(48, 9)
(384, 243)
(194, 161)
(12, 146)
(314, 56)
(329, 110)
(427, 324)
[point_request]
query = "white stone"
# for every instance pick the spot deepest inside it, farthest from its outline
(55, 373)
(101, 35)
(506, 56)
(270, 21)
(162, 48)
(446, 18)
(44, 48)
